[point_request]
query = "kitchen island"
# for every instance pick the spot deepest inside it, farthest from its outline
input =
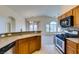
(25, 43)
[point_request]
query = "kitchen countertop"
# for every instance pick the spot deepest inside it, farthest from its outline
(76, 40)
(6, 40)
(17, 33)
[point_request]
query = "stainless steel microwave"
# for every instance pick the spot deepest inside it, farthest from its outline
(67, 22)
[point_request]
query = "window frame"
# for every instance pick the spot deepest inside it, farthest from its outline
(50, 27)
(33, 24)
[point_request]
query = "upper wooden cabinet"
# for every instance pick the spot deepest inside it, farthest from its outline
(76, 16)
(69, 13)
(63, 16)
(73, 12)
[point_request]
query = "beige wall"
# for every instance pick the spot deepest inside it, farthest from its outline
(5, 12)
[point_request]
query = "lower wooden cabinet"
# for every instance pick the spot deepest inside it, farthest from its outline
(35, 43)
(71, 50)
(32, 45)
(71, 47)
(38, 44)
(27, 45)
(21, 46)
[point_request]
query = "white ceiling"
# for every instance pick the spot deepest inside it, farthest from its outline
(36, 10)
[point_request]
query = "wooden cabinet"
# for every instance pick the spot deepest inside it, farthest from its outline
(63, 16)
(71, 47)
(69, 13)
(21, 46)
(75, 13)
(32, 45)
(35, 43)
(38, 44)
(78, 48)
(27, 45)
(76, 16)
(71, 50)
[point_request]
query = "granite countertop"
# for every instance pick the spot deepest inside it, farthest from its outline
(76, 40)
(6, 40)
(3, 35)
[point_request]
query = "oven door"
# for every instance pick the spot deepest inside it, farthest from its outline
(60, 44)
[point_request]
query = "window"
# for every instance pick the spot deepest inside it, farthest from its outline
(47, 27)
(33, 27)
(59, 29)
(51, 27)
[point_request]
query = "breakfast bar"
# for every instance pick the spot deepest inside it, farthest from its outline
(25, 43)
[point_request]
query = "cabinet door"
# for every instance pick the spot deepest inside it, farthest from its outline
(38, 42)
(15, 48)
(69, 13)
(76, 16)
(32, 45)
(78, 48)
(63, 16)
(71, 47)
(22, 46)
(71, 50)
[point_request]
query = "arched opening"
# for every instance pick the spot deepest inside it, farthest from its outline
(11, 25)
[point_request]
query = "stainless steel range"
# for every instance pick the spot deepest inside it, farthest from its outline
(60, 40)
(60, 43)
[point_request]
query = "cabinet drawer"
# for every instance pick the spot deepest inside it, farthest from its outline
(71, 44)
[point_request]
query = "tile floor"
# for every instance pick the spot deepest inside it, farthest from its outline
(50, 49)
(48, 46)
